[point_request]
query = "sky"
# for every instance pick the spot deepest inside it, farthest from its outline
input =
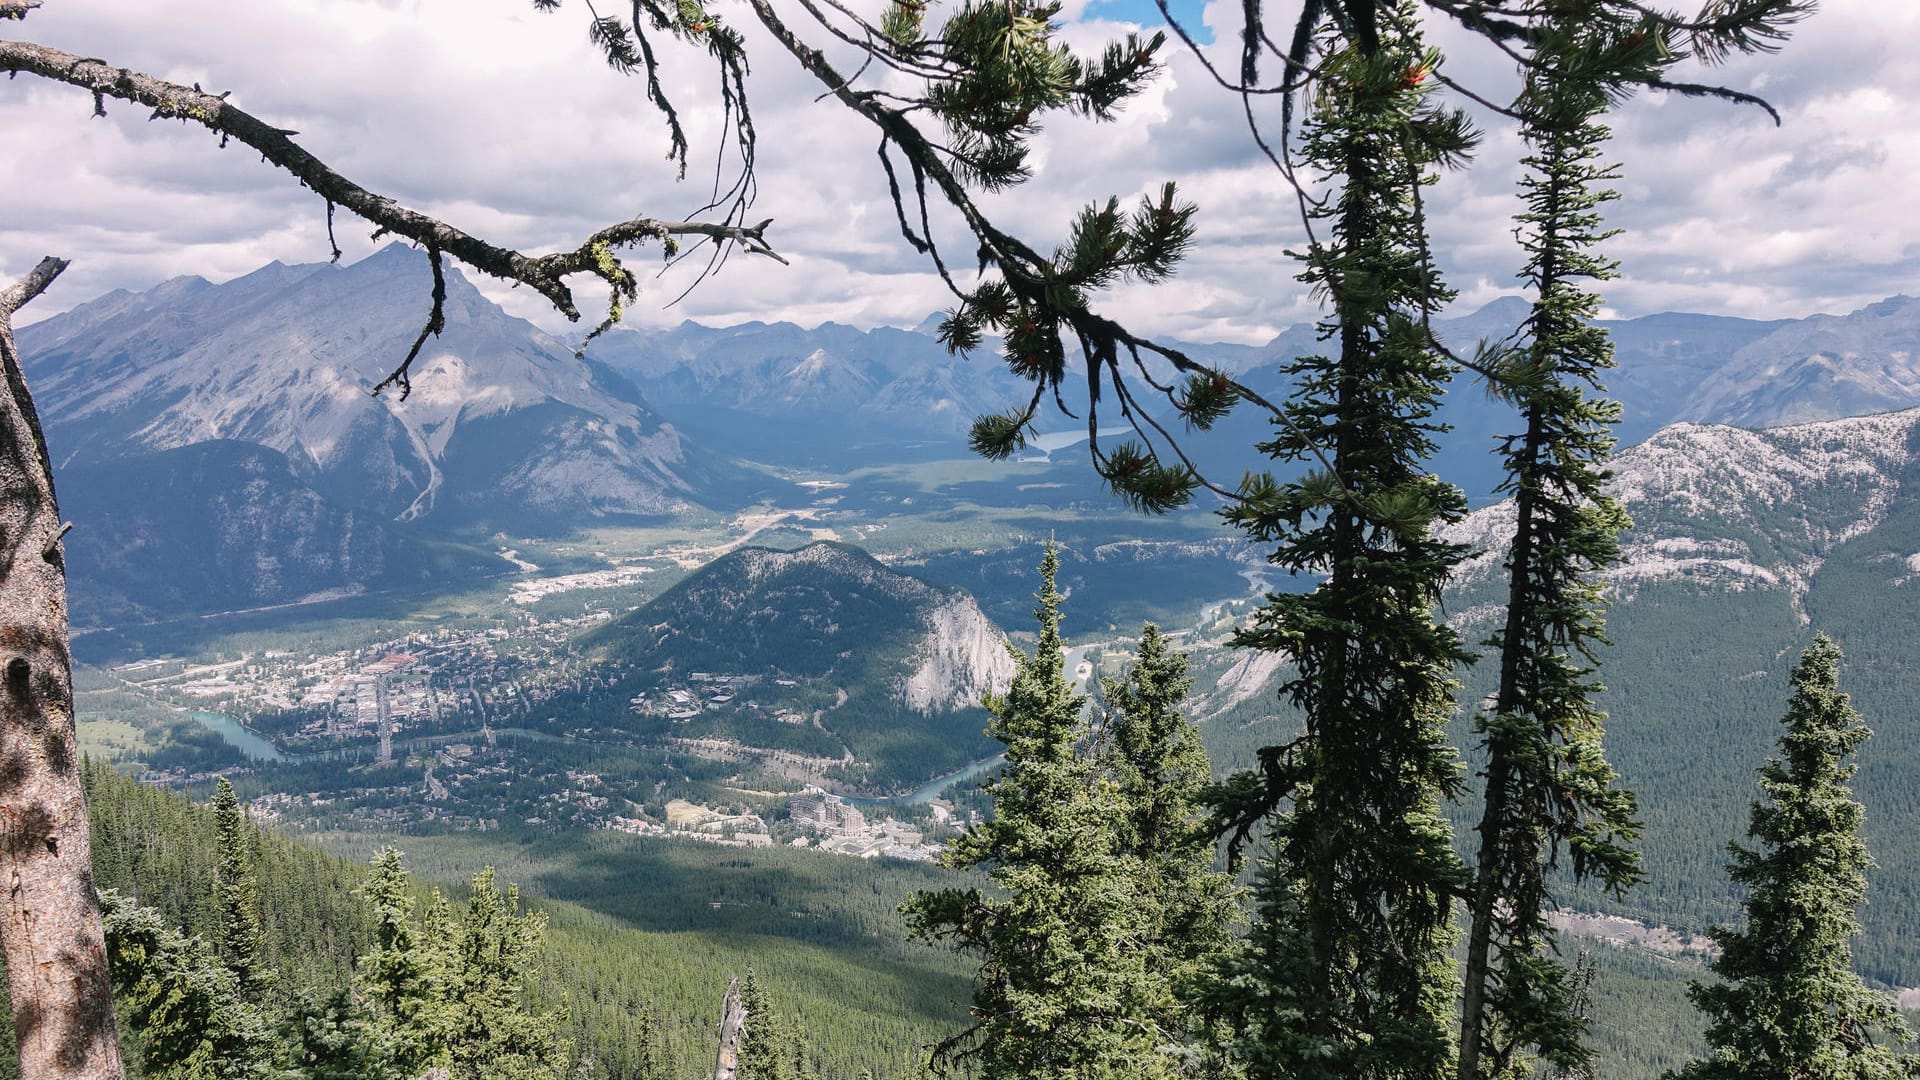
(503, 121)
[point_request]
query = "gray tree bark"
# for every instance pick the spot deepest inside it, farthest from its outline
(56, 958)
(733, 1023)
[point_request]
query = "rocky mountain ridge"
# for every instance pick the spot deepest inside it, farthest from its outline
(1733, 508)
(846, 660)
(501, 419)
(741, 613)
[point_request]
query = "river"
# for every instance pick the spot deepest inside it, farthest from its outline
(237, 735)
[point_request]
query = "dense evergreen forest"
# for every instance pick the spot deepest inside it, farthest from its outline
(637, 939)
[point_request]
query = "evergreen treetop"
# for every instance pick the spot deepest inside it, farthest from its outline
(1063, 990)
(238, 892)
(1789, 1004)
(1550, 791)
(1364, 872)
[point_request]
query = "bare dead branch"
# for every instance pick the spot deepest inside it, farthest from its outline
(15, 296)
(436, 322)
(543, 273)
(12, 299)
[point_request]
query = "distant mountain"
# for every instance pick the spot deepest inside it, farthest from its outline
(830, 393)
(1662, 359)
(503, 423)
(1744, 544)
(1818, 368)
(872, 668)
(225, 525)
(1729, 508)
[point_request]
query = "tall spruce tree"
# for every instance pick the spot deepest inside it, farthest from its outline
(403, 980)
(1366, 870)
(494, 1032)
(1153, 754)
(1549, 789)
(1062, 992)
(189, 1017)
(237, 888)
(1790, 1005)
(770, 1047)
(454, 997)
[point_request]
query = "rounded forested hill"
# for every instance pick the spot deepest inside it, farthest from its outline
(827, 609)
(841, 660)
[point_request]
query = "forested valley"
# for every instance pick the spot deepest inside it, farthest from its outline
(1438, 691)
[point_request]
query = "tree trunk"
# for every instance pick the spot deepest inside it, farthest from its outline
(733, 1022)
(56, 958)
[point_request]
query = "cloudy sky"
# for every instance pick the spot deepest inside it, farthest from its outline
(504, 122)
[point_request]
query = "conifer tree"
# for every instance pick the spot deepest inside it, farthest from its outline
(187, 1011)
(770, 1048)
(403, 979)
(1061, 992)
(237, 888)
(1549, 789)
(456, 997)
(1155, 759)
(1366, 870)
(327, 1037)
(494, 1033)
(1253, 987)
(1790, 1004)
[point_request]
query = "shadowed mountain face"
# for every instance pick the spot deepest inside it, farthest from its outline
(223, 526)
(503, 422)
(827, 611)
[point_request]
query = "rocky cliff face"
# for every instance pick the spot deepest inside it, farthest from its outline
(1818, 368)
(962, 658)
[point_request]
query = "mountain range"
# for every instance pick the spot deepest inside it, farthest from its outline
(503, 428)
(836, 395)
(268, 376)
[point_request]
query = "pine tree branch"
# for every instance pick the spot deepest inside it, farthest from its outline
(542, 273)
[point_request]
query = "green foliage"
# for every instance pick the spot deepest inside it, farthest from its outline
(238, 892)
(1549, 790)
(1363, 869)
(151, 843)
(644, 930)
(1152, 754)
(770, 1046)
(1790, 1004)
(459, 999)
(1062, 991)
(189, 1017)
(402, 980)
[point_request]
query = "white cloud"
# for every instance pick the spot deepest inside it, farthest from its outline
(504, 121)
